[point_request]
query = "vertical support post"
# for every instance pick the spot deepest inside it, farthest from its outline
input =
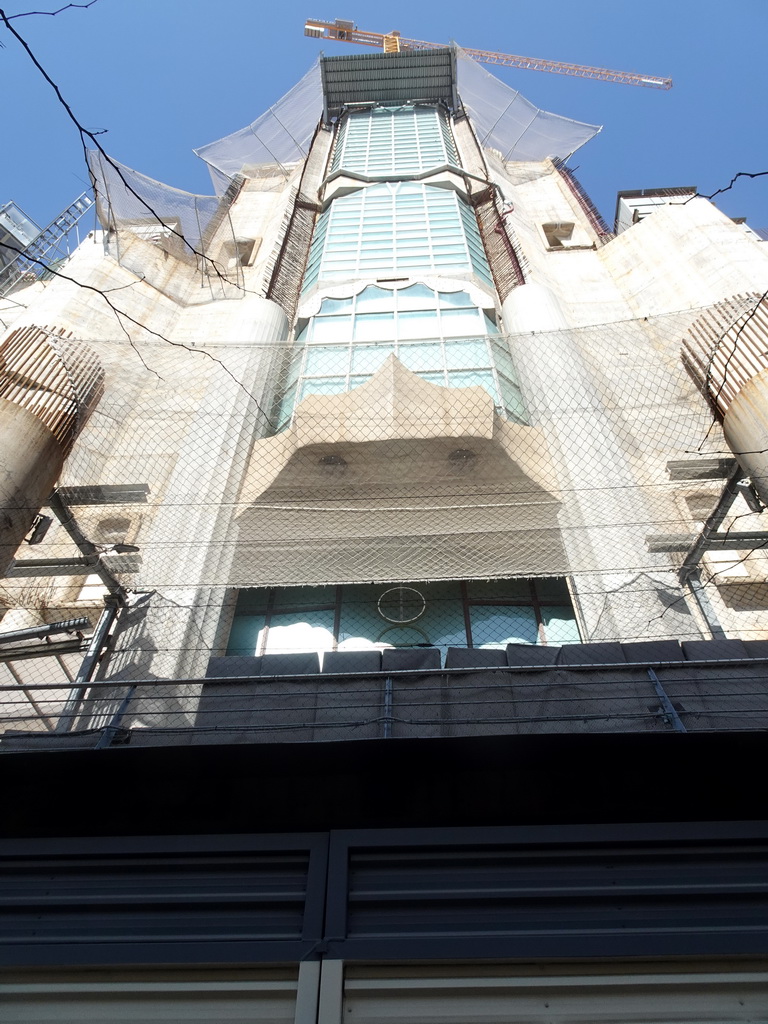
(71, 708)
(666, 703)
(705, 606)
(307, 992)
(387, 718)
(330, 1004)
(109, 731)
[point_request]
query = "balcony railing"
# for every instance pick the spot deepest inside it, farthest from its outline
(700, 694)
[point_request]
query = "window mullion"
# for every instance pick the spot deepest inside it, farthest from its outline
(537, 610)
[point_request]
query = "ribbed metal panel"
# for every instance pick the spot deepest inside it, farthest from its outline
(511, 892)
(388, 79)
(390, 894)
(98, 896)
(154, 898)
(556, 896)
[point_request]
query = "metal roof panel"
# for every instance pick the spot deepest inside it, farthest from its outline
(388, 78)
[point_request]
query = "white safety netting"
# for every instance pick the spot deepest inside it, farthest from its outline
(506, 121)
(397, 482)
(503, 120)
(579, 491)
(141, 215)
(280, 136)
(128, 199)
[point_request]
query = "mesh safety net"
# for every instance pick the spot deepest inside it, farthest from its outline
(397, 483)
(503, 118)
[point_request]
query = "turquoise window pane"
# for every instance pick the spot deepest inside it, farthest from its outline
(295, 368)
(458, 322)
(560, 624)
(405, 260)
(331, 328)
(375, 300)
(440, 624)
(434, 378)
(286, 407)
(456, 261)
(244, 635)
(417, 296)
(494, 590)
(421, 357)
(327, 386)
(513, 400)
(327, 360)
(495, 627)
(336, 306)
(472, 378)
(360, 624)
(373, 326)
(299, 632)
(372, 258)
(464, 354)
(368, 358)
(503, 360)
(553, 590)
(338, 265)
(418, 324)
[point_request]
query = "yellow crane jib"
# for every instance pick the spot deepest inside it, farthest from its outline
(392, 42)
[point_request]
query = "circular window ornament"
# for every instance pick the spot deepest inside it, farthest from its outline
(401, 605)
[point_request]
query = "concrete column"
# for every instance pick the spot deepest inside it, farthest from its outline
(189, 555)
(624, 592)
(746, 431)
(532, 307)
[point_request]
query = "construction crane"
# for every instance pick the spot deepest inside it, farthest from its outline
(393, 42)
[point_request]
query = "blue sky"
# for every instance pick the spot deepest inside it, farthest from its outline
(164, 76)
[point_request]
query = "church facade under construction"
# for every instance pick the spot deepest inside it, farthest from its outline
(384, 577)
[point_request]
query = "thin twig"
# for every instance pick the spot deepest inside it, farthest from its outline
(92, 136)
(29, 14)
(731, 183)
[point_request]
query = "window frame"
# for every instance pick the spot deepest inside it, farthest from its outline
(532, 600)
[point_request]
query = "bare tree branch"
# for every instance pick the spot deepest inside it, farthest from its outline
(29, 14)
(92, 137)
(731, 183)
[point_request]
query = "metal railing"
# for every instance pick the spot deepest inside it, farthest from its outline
(673, 697)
